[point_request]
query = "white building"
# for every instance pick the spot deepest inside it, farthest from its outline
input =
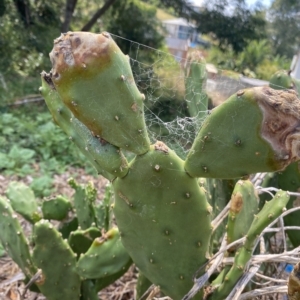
(181, 35)
(295, 66)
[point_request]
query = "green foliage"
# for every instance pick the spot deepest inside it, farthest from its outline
(284, 28)
(231, 27)
(33, 144)
(131, 19)
(256, 60)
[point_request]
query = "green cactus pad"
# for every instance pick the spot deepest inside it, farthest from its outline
(84, 198)
(103, 210)
(106, 158)
(142, 285)
(271, 210)
(281, 80)
(164, 219)
(23, 201)
(268, 214)
(105, 257)
(195, 81)
(56, 208)
(66, 227)
(240, 260)
(218, 193)
(88, 291)
(94, 79)
(81, 240)
(244, 205)
(57, 261)
(255, 130)
(13, 239)
(103, 282)
(289, 180)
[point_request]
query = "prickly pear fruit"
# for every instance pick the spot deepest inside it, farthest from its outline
(23, 201)
(56, 208)
(106, 158)
(195, 81)
(244, 205)
(164, 220)
(57, 261)
(105, 257)
(94, 79)
(255, 130)
(81, 240)
(84, 198)
(13, 239)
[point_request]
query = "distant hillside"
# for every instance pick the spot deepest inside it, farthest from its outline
(162, 15)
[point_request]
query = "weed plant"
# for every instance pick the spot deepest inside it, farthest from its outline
(31, 144)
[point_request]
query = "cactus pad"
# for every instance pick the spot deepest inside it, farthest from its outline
(164, 220)
(57, 261)
(56, 208)
(106, 158)
(105, 257)
(255, 130)
(94, 79)
(84, 198)
(81, 240)
(23, 201)
(13, 239)
(244, 205)
(195, 81)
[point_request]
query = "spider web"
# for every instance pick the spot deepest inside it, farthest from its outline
(160, 76)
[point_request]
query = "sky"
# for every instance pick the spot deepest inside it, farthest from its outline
(249, 2)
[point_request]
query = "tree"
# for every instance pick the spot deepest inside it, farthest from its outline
(134, 21)
(231, 23)
(285, 26)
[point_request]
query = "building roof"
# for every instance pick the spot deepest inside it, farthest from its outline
(180, 22)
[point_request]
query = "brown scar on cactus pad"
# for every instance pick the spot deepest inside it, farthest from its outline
(281, 123)
(78, 49)
(236, 203)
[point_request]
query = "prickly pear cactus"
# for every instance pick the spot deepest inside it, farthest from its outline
(161, 207)
(52, 257)
(195, 82)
